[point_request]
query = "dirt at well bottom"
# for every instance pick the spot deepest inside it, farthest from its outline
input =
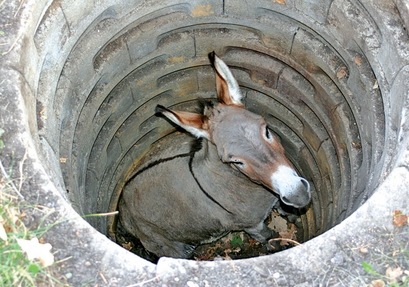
(234, 245)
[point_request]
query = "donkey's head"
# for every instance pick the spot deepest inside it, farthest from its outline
(243, 139)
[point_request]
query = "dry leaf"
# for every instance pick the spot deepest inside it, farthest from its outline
(281, 2)
(342, 73)
(278, 223)
(203, 10)
(363, 250)
(236, 250)
(290, 233)
(253, 242)
(358, 60)
(128, 245)
(393, 273)
(37, 250)
(226, 254)
(399, 219)
(378, 283)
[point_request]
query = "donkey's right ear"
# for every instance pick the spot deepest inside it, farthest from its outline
(228, 90)
(196, 124)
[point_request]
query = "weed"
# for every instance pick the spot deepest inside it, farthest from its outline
(389, 266)
(24, 257)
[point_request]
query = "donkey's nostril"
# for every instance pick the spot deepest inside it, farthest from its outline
(305, 183)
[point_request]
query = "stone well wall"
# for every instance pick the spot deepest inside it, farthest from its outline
(79, 81)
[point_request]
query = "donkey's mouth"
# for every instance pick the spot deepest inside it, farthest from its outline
(292, 189)
(298, 199)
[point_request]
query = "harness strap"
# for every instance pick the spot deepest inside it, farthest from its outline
(190, 169)
(202, 189)
(157, 162)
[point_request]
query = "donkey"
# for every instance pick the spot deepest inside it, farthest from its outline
(231, 183)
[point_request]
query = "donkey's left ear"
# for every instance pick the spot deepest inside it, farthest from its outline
(228, 90)
(196, 124)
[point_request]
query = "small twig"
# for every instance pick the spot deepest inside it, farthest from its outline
(103, 278)
(144, 282)
(18, 9)
(62, 260)
(101, 214)
(21, 169)
(1, 4)
(285, 239)
(9, 181)
(12, 46)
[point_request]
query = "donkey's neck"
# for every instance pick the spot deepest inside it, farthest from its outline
(206, 162)
(232, 190)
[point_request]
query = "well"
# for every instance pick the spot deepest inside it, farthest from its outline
(80, 81)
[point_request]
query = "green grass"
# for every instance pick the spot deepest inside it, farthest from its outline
(393, 277)
(16, 269)
(388, 263)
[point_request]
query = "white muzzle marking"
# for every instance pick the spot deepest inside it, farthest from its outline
(293, 189)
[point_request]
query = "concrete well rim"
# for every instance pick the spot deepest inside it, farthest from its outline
(22, 141)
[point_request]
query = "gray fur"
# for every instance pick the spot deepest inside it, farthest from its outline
(175, 215)
(231, 183)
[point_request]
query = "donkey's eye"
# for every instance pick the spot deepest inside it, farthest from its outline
(237, 163)
(269, 136)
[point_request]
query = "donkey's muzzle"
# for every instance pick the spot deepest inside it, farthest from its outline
(300, 197)
(292, 189)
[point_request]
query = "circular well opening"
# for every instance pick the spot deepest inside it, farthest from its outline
(102, 70)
